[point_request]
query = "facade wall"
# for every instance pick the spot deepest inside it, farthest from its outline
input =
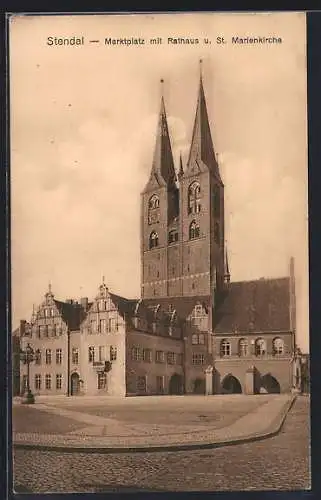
(269, 364)
(44, 369)
(195, 252)
(280, 369)
(154, 261)
(151, 369)
(103, 339)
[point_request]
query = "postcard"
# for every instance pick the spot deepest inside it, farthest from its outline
(159, 251)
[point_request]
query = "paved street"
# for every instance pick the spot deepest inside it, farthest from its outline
(280, 462)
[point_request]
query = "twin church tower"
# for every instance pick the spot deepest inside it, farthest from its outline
(182, 219)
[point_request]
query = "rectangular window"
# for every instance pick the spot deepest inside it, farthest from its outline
(93, 326)
(160, 357)
(58, 356)
(101, 353)
(39, 332)
(75, 355)
(54, 331)
(38, 357)
(147, 355)
(198, 359)
(37, 381)
(48, 381)
(136, 354)
(113, 353)
(101, 380)
(48, 356)
(171, 358)
(91, 354)
(58, 381)
(45, 330)
(112, 325)
(102, 326)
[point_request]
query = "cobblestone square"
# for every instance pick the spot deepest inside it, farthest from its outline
(277, 463)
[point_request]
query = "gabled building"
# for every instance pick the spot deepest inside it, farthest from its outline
(192, 330)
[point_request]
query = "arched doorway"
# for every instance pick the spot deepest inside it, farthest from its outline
(269, 384)
(74, 384)
(231, 385)
(175, 384)
(199, 386)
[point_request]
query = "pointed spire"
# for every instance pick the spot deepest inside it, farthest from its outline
(202, 149)
(163, 171)
(227, 276)
(49, 287)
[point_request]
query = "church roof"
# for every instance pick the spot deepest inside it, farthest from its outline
(260, 306)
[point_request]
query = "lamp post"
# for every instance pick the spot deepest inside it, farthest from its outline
(27, 356)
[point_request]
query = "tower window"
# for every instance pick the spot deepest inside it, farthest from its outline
(153, 209)
(153, 202)
(153, 240)
(172, 236)
(194, 198)
(194, 230)
(217, 232)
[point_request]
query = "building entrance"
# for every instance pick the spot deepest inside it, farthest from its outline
(75, 384)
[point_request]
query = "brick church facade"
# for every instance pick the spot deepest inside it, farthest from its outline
(192, 330)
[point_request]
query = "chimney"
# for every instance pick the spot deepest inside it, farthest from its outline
(84, 302)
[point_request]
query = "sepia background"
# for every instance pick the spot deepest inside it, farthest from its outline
(83, 123)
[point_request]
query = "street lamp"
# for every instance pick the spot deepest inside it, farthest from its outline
(27, 356)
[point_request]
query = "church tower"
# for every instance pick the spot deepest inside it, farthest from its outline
(182, 223)
(202, 211)
(159, 209)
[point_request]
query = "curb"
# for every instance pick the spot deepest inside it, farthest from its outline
(274, 428)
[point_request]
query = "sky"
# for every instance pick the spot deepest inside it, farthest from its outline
(83, 121)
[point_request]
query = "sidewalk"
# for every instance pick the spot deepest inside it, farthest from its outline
(107, 435)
